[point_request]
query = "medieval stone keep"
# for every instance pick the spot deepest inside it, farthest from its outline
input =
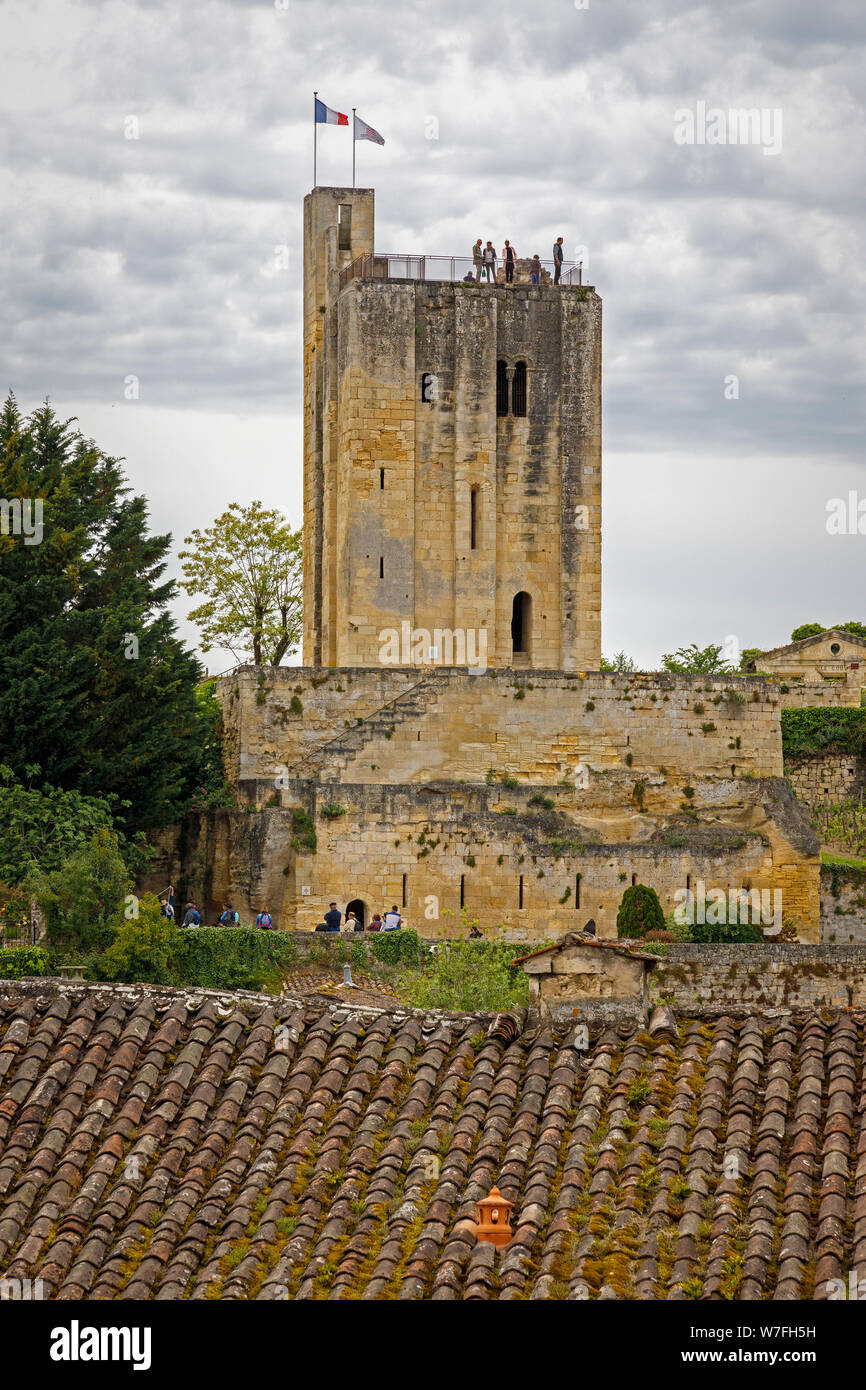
(449, 745)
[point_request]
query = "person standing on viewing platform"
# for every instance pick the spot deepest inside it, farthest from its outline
(490, 263)
(557, 260)
(477, 260)
(509, 260)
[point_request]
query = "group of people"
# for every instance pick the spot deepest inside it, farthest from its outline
(391, 921)
(229, 916)
(485, 260)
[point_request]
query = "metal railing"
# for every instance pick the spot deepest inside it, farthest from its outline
(14, 932)
(386, 266)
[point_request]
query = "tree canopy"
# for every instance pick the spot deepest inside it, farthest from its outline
(95, 688)
(813, 629)
(697, 660)
(247, 566)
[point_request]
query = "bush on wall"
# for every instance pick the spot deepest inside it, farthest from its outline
(809, 732)
(639, 912)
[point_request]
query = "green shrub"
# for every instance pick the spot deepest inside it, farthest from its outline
(82, 898)
(234, 957)
(806, 732)
(467, 975)
(333, 810)
(539, 799)
(725, 932)
(305, 832)
(639, 912)
(144, 949)
(396, 947)
(18, 961)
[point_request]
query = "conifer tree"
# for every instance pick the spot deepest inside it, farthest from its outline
(95, 688)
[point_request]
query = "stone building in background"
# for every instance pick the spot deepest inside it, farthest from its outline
(449, 745)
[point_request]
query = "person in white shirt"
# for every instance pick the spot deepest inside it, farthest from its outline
(393, 920)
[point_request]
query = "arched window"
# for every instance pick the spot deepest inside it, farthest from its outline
(518, 390)
(521, 622)
(501, 389)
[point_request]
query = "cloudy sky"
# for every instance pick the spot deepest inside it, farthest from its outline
(155, 158)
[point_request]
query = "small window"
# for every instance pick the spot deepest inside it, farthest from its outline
(404, 891)
(344, 227)
(834, 647)
(634, 880)
(577, 891)
(462, 890)
(473, 518)
(381, 480)
(520, 892)
(429, 387)
(501, 389)
(381, 566)
(518, 390)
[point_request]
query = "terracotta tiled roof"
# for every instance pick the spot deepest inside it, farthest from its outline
(805, 642)
(176, 1145)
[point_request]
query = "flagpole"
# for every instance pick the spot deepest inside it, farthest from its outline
(354, 109)
(315, 128)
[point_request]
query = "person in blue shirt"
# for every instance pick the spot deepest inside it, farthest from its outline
(333, 917)
(265, 920)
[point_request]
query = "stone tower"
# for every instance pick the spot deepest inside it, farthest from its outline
(452, 458)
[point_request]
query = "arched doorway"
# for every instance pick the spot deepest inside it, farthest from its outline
(521, 623)
(357, 906)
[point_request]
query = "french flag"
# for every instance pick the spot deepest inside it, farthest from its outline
(325, 116)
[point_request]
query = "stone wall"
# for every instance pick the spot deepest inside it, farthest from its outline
(843, 905)
(387, 725)
(828, 694)
(828, 777)
(535, 870)
(718, 979)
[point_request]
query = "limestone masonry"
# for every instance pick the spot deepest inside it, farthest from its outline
(449, 744)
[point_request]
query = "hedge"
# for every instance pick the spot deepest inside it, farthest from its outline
(232, 957)
(808, 732)
(396, 947)
(17, 961)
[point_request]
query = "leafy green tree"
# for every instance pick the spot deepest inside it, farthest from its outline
(247, 565)
(41, 826)
(639, 912)
(695, 660)
(621, 663)
(144, 949)
(95, 687)
(807, 630)
(748, 655)
(814, 629)
(85, 896)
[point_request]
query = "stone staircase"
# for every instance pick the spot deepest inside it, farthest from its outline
(332, 758)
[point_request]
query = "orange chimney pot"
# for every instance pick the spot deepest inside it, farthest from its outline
(494, 1219)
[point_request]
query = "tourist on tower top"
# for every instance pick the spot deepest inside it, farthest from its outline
(557, 260)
